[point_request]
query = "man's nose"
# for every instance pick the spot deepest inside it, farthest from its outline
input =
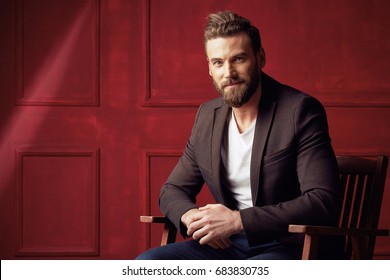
(230, 71)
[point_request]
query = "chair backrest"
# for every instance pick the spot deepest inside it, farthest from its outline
(362, 183)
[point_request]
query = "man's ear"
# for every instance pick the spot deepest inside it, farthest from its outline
(208, 65)
(261, 58)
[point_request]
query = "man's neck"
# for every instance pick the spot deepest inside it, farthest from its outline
(247, 113)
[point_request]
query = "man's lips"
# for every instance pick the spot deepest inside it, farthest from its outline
(232, 84)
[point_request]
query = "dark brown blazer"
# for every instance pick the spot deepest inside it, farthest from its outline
(294, 173)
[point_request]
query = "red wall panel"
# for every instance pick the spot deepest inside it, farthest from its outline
(58, 52)
(335, 51)
(57, 202)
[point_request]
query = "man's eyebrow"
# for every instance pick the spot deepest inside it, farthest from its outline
(213, 59)
(240, 54)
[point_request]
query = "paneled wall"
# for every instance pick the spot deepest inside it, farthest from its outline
(98, 98)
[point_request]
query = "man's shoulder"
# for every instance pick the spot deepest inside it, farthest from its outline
(283, 93)
(212, 104)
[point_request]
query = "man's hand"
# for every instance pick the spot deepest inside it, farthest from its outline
(212, 224)
(188, 217)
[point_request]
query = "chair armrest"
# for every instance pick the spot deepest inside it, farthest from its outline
(169, 233)
(312, 234)
(153, 219)
(322, 230)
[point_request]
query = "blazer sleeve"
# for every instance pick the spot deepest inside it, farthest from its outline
(178, 194)
(318, 199)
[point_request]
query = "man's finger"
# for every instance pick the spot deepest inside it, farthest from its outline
(193, 227)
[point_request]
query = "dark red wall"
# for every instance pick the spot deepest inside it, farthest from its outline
(98, 98)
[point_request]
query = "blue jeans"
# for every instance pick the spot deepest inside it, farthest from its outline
(239, 250)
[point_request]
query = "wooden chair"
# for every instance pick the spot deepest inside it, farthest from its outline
(362, 182)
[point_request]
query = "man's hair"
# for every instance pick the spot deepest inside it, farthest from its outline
(226, 24)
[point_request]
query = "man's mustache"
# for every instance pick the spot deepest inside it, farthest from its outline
(232, 82)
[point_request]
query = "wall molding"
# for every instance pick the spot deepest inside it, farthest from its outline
(92, 246)
(149, 100)
(359, 99)
(92, 99)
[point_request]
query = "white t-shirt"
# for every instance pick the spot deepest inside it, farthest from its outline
(236, 159)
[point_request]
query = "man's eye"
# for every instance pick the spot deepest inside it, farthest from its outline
(239, 59)
(217, 63)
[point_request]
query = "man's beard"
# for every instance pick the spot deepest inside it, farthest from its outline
(238, 96)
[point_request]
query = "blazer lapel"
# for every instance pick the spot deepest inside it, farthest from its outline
(220, 115)
(267, 107)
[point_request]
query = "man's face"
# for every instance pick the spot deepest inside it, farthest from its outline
(234, 68)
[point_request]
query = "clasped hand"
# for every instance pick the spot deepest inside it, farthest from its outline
(213, 225)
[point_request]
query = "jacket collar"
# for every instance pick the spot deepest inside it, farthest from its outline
(219, 126)
(265, 117)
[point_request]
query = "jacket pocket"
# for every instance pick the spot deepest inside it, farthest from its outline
(282, 154)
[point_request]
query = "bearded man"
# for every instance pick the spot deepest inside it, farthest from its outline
(264, 151)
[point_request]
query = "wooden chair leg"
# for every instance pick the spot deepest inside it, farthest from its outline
(169, 233)
(358, 248)
(310, 247)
